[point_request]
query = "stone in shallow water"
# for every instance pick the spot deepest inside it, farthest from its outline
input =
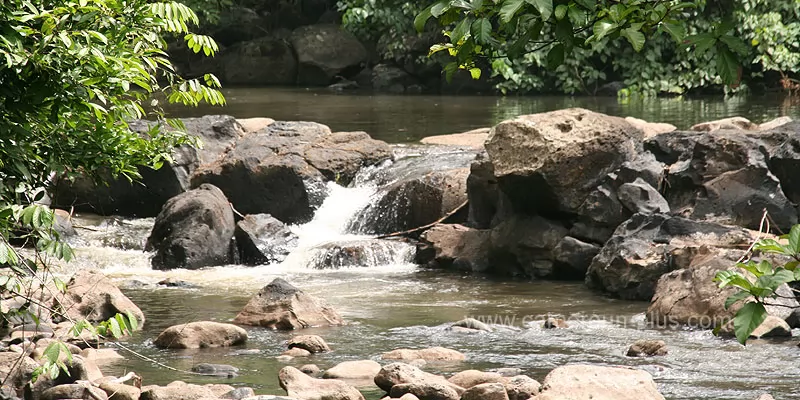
(226, 371)
(303, 387)
(360, 253)
(599, 383)
(203, 334)
(311, 343)
(430, 354)
(647, 348)
(282, 306)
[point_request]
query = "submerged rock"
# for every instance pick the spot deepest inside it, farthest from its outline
(221, 370)
(282, 306)
(647, 348)
(472, 323)
(196, 335)
(598, 383)
(262, 239)
(431, 354)
(303, 387)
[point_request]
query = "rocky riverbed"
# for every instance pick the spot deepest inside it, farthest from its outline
(639, 211)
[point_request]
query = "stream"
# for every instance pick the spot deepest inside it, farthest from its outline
(392, 303)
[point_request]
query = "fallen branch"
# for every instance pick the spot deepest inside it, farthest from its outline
(424, 227)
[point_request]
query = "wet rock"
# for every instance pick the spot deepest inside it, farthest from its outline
(177, 390)
(221, 370)
(239, 393)
(425, 391)
(91, 295)
(647, 348)
(734, 123)
(391, 79)
(648, 246)
(281, 169)
(472, 323)
(771, 327)
(522, 387)
(650, 129)
(120, 391)
(262, 61)
(474, 139)
(325, 51)
(177, 283)
(359, 253)
(354, 370)
(572, 258)
(430, 354)
(194, 230)
(523, 246)
(303, 387)
(63, 224)
(203, 334)
(486, 391)
(486, 200)
(73, 391)
(689, 296)
(311, 370)
(312, 343)
(456, 247)
(783, 145)
(765, 396)
(296, 352)
(413, 203)
(469, 378)
(262, 239)
(400, 373)
(555, 323)
(550, 162)
(282, 306)
(598, 383)
(640, 197)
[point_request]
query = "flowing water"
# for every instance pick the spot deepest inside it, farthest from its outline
(391, 303)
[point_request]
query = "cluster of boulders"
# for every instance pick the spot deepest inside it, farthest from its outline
(637, 210)
(229, 200)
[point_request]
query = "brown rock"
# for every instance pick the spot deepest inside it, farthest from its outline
(73, 391)
(425, 391)
(553, 323)
(282, 306)
(91, 295)
(296, 352)
(254, 124)
(177, 390)
(400, 373)
(474, 139)
(120, 391)
(650, 129)
(598, 383)
(522, 387)
(312, 343)
(486, 391)
(647, 348)
(195, 335)
(735, 123)
(303, 387)
(471, 377)
(353, 370)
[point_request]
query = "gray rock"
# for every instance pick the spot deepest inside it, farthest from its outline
(262, 239)
(262, 61)
(573, 257)
(456, 247)
(193, 230)
(325, 51)
(640, 197)
(221, 370)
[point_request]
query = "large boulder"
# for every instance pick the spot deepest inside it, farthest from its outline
(325, 51)
(303, 387)
(783, 145)
(523, 246)
(414, 202)
(391, 79)
(549, 163)
(598, 383)
(263, 61)
(722, 176)
(689, 296)
(194, 230)
(648, 246)
(203, 334)
(282, 306)
(262, 239)
(281, 169)
(454, 246)
(92, 296)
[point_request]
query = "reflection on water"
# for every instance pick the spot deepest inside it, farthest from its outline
(400, 119)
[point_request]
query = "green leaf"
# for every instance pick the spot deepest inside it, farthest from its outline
(482, 31)
(555, 57)
(727, 66)
(52, 352)
(794, 240)
(461, 30)
(564, 33)
(475, 72)
(735, 44)
(702, 42)
(772, 246)
(577, 15)
(510, 9)
(422, 18)
(134, 323)
(449, 71)
(602, 28)
(675, 29)
(440, 8)
(560, 12)
(747, 319)
(116, 330)
(635, 37)
(735, 298)
(545, 7)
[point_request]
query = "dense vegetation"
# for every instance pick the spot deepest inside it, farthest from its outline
(652, 47)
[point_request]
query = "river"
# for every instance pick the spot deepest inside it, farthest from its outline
(394, 304)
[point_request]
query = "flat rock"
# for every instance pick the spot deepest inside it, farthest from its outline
(203, 334)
